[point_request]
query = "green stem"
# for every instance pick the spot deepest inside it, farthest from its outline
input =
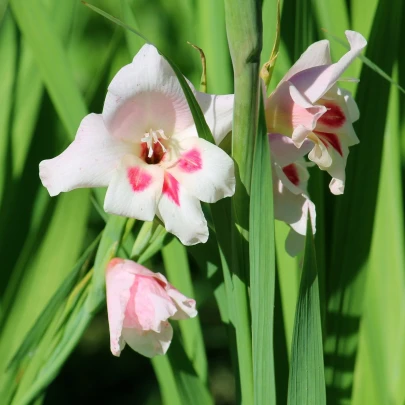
(244, 30)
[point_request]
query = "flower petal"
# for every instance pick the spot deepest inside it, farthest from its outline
(316, 81)
(149, 343)
(205, 170)
(284, 151)
(135, 189)
(218, 111)
(317, 54)
(185, 306)
(146, 94)
(89, 161)
(118, 284)
(149, 305)
(182, 213)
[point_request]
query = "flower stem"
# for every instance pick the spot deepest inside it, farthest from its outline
(244, 30)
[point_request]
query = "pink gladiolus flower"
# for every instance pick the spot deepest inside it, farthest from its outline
(139, 304)
(308, 104)
(291, 200)
(145, 148)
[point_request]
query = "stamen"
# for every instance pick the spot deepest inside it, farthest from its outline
(152, 137)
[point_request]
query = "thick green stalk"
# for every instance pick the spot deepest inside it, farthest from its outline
(244, 30)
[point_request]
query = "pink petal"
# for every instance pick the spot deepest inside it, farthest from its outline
(146, 94)
(185, 306)
(317, 54)
(149, 305)
(316, 81)
(149, 343)
(182, 213)
(283, 150)
(89, 161)
(204, 170)
(135, 189)
(118, 284)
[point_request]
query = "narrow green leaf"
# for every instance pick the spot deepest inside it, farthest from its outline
(178, 272)
(355, 210)
(307, 377)
(262, 269)
(110, 241)
(52, 62)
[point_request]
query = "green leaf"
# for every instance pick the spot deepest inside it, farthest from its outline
(51, 61)
(307, 377)
(178, 273)
(355, 210)
(262, 269)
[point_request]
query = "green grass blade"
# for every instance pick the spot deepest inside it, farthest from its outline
(380, 364)
(307, 377)
(178, 273)
(352, 237)
(262, 269)
(8, 56)
(52, 62)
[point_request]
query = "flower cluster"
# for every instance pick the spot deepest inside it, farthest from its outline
(309, 114)
(145, 148)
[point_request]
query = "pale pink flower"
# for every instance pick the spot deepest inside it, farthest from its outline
(139, 304)
(145, 148)
(308, 104)
(291, 200)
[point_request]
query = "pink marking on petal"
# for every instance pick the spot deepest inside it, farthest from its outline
(190, 161)
(139, 179)
(331, 139)
(292, 174)
(171, 188)
(333, 117)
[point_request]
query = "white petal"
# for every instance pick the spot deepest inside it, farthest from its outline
(118, 284)
(135, 189)
(317, 54)
(316, 81)
(89, 161)
(185, 306)
(146, 94)
(218, 111)
(182, 213)
(284, 151)
(149, 343)
(205, 170)
(351, 104)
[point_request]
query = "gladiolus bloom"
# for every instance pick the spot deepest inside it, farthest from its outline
(145, 148)
(290, 179)
(139, 304)
(308, 105)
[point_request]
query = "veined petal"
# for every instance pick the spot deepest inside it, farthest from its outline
(89, 161)
(182, 213)
(204, 169)
(146, 94)
(185, 306)
(135, 189)
(218, 111)
(316, 81)
(317, 54)
(118, 284)
(149, 343)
